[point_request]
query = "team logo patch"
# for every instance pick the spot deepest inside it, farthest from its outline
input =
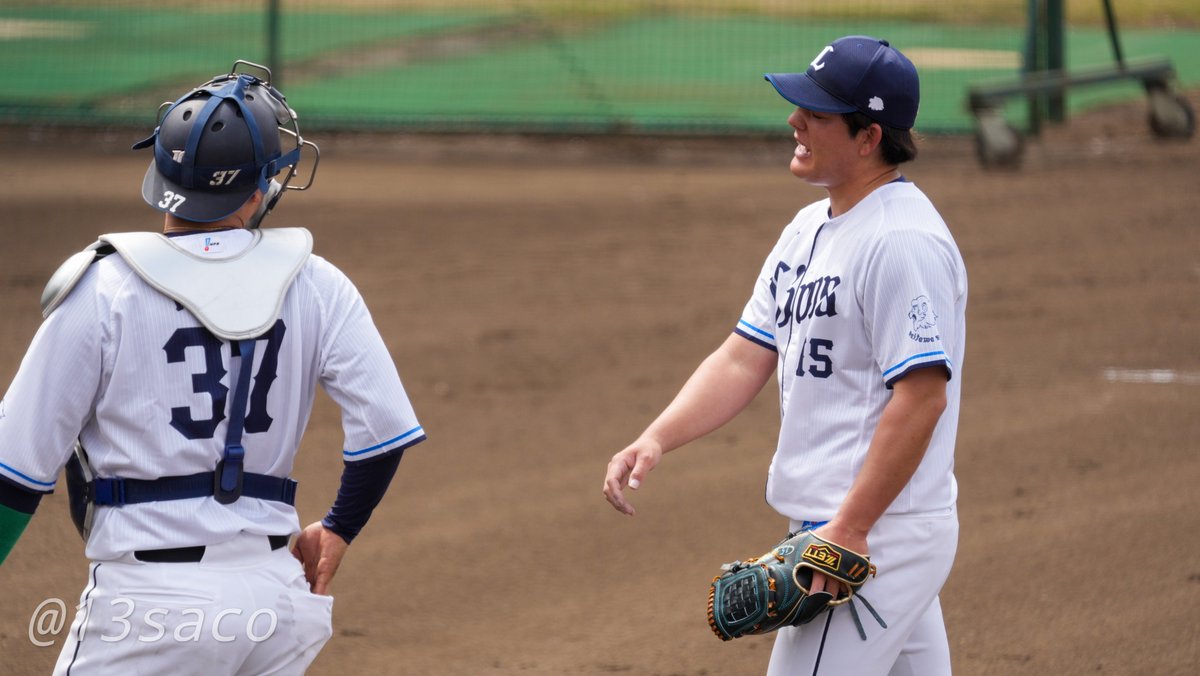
(817, 63)
(924, 321)
(823, 556)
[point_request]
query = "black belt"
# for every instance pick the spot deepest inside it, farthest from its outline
(192, 554)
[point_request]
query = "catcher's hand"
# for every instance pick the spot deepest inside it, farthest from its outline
(774, 590)
(320, 551)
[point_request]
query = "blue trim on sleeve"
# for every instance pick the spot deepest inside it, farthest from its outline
(755, 335)
(944, 363)
(30, 479)
(755, 340)
(743, 322)
(414, 431)
(939, 353)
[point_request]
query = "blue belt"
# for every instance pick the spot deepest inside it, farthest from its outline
(118, 491)
(228, 483)
(810, 525)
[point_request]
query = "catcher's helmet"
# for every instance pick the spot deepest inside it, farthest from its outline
(219, 143)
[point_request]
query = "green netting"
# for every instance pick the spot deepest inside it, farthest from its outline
(593, 65)
(91, 57)
(621, 74)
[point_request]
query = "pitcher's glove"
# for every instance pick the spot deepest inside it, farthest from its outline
(772, 591)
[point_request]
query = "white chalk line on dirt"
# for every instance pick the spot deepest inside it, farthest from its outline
(1152, 376)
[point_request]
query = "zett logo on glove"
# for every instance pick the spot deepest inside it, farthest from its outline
(823, 556)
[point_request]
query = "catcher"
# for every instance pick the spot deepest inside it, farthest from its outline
(181, 370)
(859, 310)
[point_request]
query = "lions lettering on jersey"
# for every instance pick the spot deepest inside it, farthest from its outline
(814, 298)
(804, 300)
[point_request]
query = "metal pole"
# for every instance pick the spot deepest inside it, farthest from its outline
(273, 42)
(1056, 109)
(1111, 18)
(1033, 61)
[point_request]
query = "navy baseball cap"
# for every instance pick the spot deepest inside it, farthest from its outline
(856, 73)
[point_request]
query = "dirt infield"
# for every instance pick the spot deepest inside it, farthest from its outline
(545, 298)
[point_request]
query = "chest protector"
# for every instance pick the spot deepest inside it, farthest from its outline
(214, 291)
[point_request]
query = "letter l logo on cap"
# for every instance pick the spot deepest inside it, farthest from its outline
(816, 65)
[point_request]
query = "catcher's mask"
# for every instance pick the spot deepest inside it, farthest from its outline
(219, 143)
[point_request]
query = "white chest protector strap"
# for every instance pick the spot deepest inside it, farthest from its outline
(214, 290)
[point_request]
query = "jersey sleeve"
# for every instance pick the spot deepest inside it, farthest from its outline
(757, 323)
(54, 391)
(358, 373)
(909, 300)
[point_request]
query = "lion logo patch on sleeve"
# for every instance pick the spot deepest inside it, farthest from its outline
(924, 320)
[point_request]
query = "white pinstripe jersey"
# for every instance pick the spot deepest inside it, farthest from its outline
(147, 390)
(852, 304)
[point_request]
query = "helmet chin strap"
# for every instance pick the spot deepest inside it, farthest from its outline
(274, 192)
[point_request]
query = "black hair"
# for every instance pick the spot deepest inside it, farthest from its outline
(898, 145)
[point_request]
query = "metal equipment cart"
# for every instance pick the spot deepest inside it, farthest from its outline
(1045, 81)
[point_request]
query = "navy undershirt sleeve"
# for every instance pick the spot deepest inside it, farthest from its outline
(363, 486)
(18, 498)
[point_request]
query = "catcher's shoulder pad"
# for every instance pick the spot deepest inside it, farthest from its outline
(234, 298)
(68, 275)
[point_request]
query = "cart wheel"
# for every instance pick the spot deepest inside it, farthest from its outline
(1170, 115)
(997, 143)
